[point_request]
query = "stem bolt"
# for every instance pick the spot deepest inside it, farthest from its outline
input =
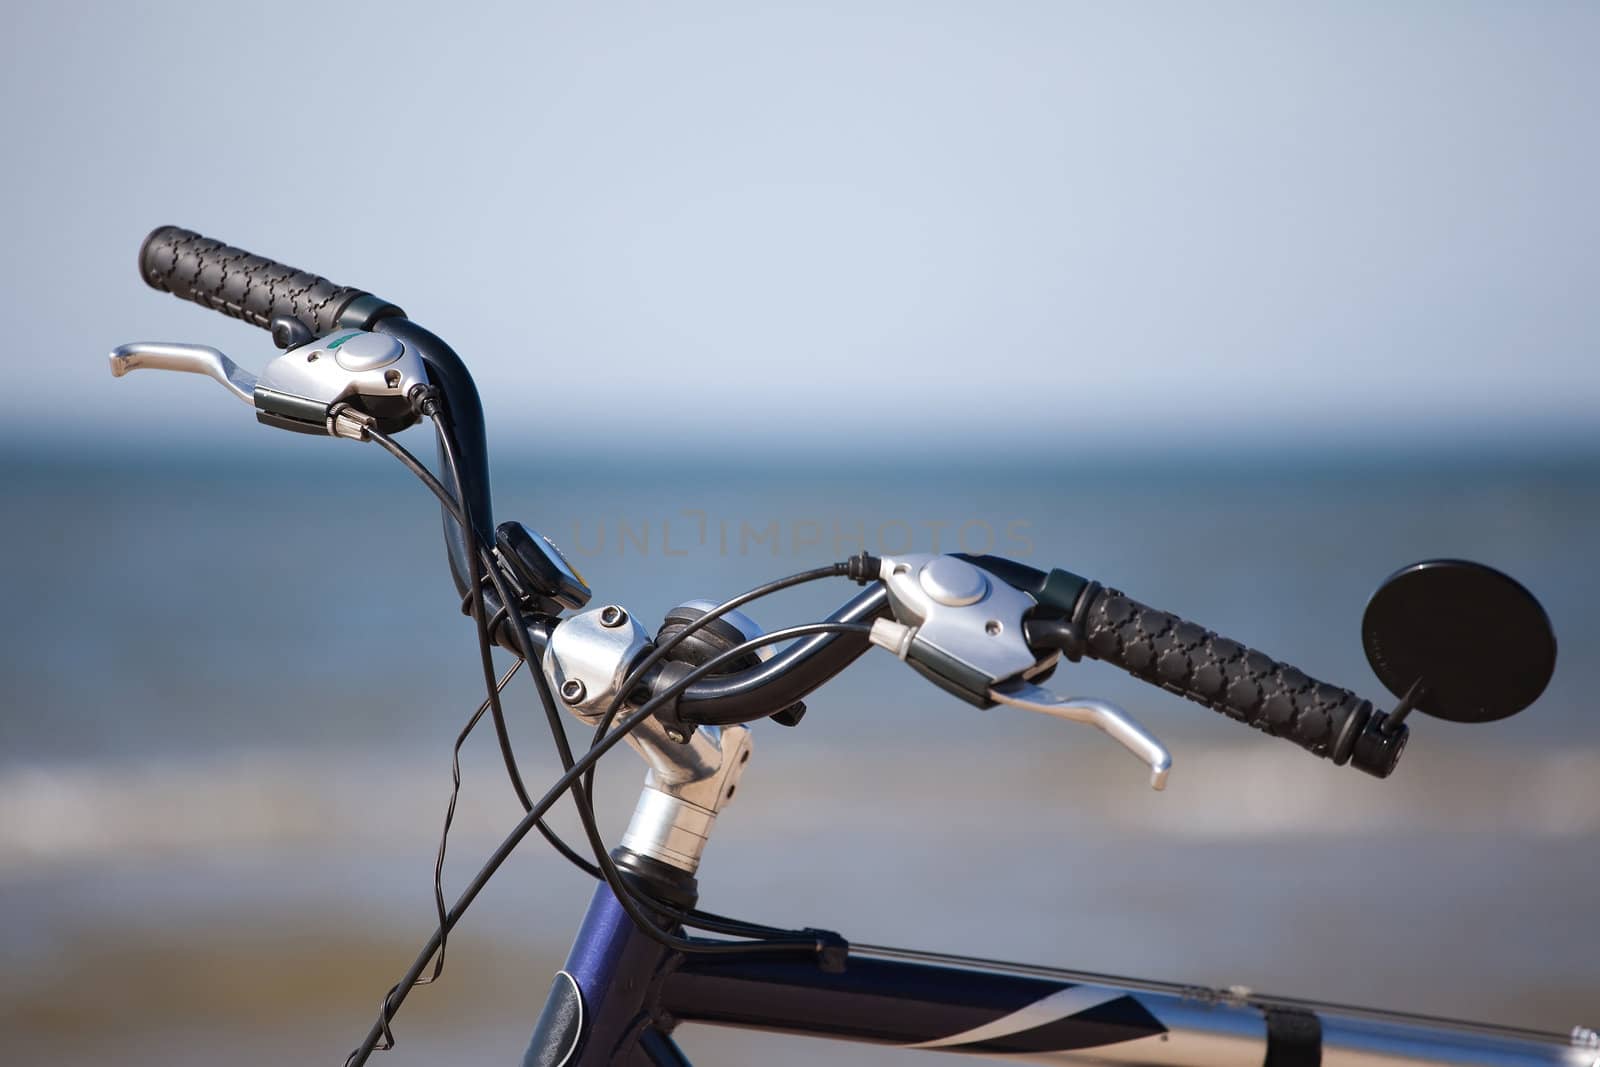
(572, 691)
(612, 616)
(676, 736)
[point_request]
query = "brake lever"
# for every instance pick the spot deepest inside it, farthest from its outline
(337, 385)
(192, 359)
(1100, 714)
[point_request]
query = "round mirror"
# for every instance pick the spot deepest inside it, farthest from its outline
(1478, 643)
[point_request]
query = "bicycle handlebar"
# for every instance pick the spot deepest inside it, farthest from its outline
(1155, 646)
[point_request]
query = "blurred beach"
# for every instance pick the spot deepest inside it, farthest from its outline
(232, 682)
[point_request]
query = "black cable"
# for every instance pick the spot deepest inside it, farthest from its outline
(453, 508)
(628, 897)
(475, 571)
(632, 902)
(475, 574)
(604, 867)
(397, 994)
(485, 563)
(696, 917)
(581, 795)
(519, 625)
(552, 715)
(480, 561)
(833, 570)
(450, 815)
(414, 465)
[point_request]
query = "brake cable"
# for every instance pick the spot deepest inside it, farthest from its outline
(632, 901)
(450, 815)
(832, 570)
(814, 943)
(483, 560)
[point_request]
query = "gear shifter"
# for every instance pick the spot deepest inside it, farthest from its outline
(962, 629)
(314, 388)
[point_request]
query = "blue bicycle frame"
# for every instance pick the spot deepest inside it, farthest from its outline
(621, 995)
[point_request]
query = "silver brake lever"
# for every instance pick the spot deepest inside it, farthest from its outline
(193, 359)
(1097, 713)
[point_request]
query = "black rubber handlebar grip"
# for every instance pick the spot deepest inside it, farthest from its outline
(250, 287)
(1240, 682)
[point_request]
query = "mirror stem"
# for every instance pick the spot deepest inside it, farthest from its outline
(1413, 696)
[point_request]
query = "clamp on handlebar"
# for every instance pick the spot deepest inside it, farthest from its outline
(337, 384)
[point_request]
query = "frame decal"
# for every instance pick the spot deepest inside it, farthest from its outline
(1058, 1005)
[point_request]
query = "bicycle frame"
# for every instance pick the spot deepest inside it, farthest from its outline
(621, 995)
(634, 993)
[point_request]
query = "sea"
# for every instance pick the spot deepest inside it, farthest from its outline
(232, 680)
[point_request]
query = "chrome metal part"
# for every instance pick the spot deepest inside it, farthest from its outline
(1204, 1027)
(586, 650)
(686, 788)
(1351, 1041)
(1104, 716)
(368, 351)
(319, 371)
(345, 421)
(971, 622)
(343, 367)
(191, 359)
(1222, 1032)
(690, 778)
(953, 582)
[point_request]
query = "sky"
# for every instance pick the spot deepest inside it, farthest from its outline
(917, 225)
